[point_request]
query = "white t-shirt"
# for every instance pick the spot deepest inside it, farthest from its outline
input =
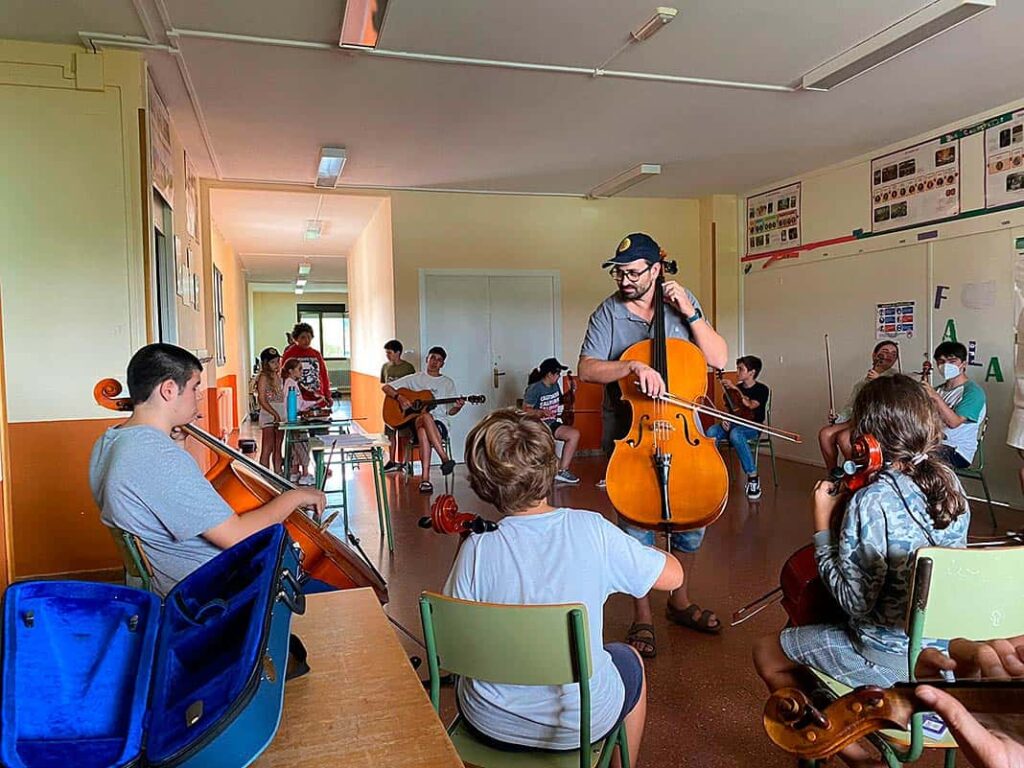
(564, 556)
(440, 386)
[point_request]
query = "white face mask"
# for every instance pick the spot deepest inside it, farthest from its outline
(950, 371)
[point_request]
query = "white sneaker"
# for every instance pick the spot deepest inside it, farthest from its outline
(306, 480)
(565, 476)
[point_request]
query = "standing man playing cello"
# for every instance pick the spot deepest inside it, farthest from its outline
(620, 321)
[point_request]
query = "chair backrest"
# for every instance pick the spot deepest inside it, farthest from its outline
(136, 564)
(511, 644)
(972, 593)
(979, 456)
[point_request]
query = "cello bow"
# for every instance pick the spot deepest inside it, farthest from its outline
(782, 434)
(832, 415)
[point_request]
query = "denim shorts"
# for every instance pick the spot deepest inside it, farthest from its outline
(682, 541)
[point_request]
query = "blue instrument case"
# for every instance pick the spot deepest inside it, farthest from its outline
(105, 676)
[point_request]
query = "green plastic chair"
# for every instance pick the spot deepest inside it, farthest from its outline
(971, 593)
(515, 645)
(137, 569)
(762, 438)
(977, 470)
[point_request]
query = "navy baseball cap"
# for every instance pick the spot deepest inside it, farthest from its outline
(633, 247)
(551, 365)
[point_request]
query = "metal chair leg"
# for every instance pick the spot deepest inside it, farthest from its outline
(988, 500)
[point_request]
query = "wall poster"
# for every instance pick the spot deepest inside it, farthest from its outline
(894, 320)
(191, 200)
(160, 159)
(916, 185)
(773, 220)
(1004, 161)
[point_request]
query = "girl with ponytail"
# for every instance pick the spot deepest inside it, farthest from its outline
(915, 501)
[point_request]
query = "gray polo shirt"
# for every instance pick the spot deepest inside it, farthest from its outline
(613, 329)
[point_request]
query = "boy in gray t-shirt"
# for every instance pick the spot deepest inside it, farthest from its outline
(147, 485)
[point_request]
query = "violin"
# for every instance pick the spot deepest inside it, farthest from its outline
(246, 485)
(800, 728)
(568, 399)
(728, 395)
(665, 474)
(445, 517)
(804, 596)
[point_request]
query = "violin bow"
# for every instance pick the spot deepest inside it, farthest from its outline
(782, 434)
(832, 415)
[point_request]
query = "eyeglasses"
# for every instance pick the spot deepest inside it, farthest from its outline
(632, 275)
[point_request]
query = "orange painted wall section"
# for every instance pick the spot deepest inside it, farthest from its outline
(56, 526)
(588, 414)
(367, 401)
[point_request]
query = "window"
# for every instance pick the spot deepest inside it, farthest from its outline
(218, 308)
(330, 329)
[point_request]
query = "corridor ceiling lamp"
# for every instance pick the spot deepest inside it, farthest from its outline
(298, 291)
(625, 180)
(305, 269)
(910, 31)
(362, 23)
(300, 283)
(332, 163)
(662, 15)
(314, 228)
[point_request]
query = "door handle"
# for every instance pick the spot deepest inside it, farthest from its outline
(497, 373)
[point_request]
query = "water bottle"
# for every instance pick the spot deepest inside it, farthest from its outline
(293, 405)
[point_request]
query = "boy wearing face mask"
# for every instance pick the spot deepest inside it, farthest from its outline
(960, 403)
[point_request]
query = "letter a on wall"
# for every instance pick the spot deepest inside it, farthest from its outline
(950, 333)
(994, 370)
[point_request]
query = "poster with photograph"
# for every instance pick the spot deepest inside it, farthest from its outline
(191, 200)
(1004, 161)
(179, 268)
(773, 220)
(160, 164)
(916, 185)
(894, 320)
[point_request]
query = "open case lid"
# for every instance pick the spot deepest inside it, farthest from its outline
(81, 660)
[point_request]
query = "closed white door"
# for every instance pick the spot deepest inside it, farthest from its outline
(496, 328)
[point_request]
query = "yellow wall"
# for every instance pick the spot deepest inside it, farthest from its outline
(274, 313)
(372, 314)
(71, 267)
(571, 235)
(236, 312)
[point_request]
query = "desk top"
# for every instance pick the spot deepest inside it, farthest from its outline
(362, 704)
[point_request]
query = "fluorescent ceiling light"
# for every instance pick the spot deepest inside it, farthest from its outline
(298, 291)
(661, 16)
(314, 228)
(625, 180)
(907, 33)
(304, 269)
(300, 282)
(362, 23)
(332, 163)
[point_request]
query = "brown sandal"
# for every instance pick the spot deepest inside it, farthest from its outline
(641, 637)
(693, 617)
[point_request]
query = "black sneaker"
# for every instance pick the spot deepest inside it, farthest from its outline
(753, 488)
(392, 466)
(447, 467)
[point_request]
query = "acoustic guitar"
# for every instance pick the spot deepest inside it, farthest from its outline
(419, 402)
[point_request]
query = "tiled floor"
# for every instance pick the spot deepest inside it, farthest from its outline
(705, 701)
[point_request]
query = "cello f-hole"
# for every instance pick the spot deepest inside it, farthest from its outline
(686, 430)
(639, 432)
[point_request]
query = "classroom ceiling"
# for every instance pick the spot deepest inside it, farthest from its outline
(267, 109)
(267, 230)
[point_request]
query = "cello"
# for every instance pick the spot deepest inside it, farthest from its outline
(666, 474)
(246, 485)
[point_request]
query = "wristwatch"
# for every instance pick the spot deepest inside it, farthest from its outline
(697, 315)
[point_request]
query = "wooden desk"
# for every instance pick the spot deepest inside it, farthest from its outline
(362, 704)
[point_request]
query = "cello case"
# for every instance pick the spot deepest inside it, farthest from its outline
(100, 675)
